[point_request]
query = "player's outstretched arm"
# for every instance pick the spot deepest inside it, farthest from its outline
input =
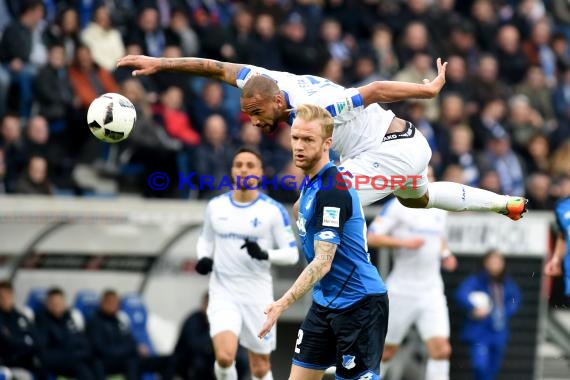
(317, 269)
(144, 65)
(393, 91)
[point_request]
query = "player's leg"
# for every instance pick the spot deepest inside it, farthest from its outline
(225, 326)
(259, 350)
(433, 326)
(360, 334)
(496, 352)
(315, 347)
(403, 313)
(448, 196)
(479, 353)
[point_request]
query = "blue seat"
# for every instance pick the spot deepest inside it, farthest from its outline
(36, 299)
(86, 301)
(133, 306)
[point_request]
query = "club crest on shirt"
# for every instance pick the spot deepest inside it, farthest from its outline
(348, 361)
(301, 225)
(331, 217)
(255, 222)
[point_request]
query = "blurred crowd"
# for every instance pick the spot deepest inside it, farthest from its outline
(501, 123)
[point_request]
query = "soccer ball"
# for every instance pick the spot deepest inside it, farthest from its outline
(111, 117)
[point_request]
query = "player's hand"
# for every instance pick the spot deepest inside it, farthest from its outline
(449, 263)
(553, 267)
(254, 250)
(142, 64)
(480, 312)
(273, 313)
(413, 243)
(204, 265)
(437, 84)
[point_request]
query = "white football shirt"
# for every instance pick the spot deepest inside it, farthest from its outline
(226, 225)
(415, 271)
(357, 128)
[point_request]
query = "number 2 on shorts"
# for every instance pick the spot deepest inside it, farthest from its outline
(299, 340)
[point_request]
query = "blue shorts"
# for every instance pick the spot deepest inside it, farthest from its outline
(351, 339)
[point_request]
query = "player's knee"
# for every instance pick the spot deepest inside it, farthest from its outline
(440, 350)
(225, 358)
(389, 352)
(259, 366)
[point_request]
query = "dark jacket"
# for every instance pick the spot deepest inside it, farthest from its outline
(53, 92)
(18, 337)
(110, 337)
(62, 338)
(16, 43)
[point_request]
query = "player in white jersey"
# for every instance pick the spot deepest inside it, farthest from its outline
(418, 238)
(244, 232)
(372, 142)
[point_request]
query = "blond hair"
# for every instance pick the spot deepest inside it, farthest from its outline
(310, 112)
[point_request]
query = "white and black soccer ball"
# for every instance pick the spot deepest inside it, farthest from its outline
(111, 117)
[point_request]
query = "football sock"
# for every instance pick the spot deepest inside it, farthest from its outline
(453, 196)
(268, 376)
(229, 373)
(437, 369)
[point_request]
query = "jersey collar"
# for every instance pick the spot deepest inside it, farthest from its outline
(320, 173)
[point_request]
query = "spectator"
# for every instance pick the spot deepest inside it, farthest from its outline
(250, 136)
(537, 154)
(456, 78)
(52, 91)
(538, 192)
(539, 52)
(21, 51)
(485, 85)
(383, 50)
(112, 341)
(500, 157)
(170, 113)
(414, 40)
(559, 44)
(35, 181)
(65, 31)
(560, 162)
(485, 20)
(339, 47)
(462, 43)
(280, 154)
(482, 124)
(213, 156)
(212, 103)
(65, 347)
(513, 63)
(462, 154)
(452, 114)
(179, 32)
(535, 88)
(19, 341)
(265, 47)
(147, 32)
(88, 79)
(365, 71)
(104, 41)
(523, 123)
(490, 180)
(561, 102)
(453, 173)
(2, 173)
(490, 298)
(14, 150)
(239, 48)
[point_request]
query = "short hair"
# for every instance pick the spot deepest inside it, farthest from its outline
(260, 85)
(246, 149)
(55, 291)
(310, 112)
(6, 284)
(109, 293)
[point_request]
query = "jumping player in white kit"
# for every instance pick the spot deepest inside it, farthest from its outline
(244, 232)
(419, 240)
(371, 141)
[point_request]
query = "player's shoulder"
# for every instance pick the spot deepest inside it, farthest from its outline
(562, 204)
(332, 186)
(277, 206)
(222, 199)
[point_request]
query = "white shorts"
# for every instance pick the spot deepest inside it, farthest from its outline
(244, 320)
(427, 312)
(398, 166)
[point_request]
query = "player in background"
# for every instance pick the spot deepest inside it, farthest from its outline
(244, 232)
(560, 257)
(418, 238)
(346, 324)
(371, 141)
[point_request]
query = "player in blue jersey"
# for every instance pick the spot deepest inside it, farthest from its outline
(560, 257)
(372, 142)
(346, 324)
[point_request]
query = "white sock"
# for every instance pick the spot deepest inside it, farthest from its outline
(229, 373)
(453, 196)
(268, 376)
(437, 369)
(384, 369)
